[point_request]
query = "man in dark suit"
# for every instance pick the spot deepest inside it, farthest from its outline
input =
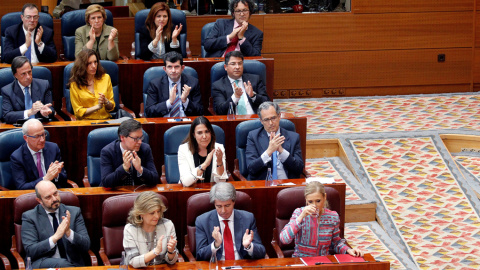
(245, 91)
(270, 145)
(235, 34)
(26, 97)
(26, 170)
(214, 229)
(128, 161)
(53, 234)
(29, 38)
(174, 94)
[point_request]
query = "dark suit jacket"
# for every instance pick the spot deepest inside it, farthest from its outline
(24, 168)
(14, 99)
(257, 143)
(111, 166)
(14, 38)
(243, 220)
(222, 92)
(145, 39)
(158, 93)
(216, 42)
(36, 229)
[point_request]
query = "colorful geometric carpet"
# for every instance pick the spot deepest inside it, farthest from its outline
(470, 166)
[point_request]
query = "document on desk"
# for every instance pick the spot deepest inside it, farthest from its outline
(344, 258)
(315, 260)
(232, 267)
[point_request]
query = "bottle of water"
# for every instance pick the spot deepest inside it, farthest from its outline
(29, 264)
(231, 112)
(189, 52)
(269, 179)
(132, 52)
(213, 265)
(123, 262)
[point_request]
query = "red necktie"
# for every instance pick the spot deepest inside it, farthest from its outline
(228, 242)
(233, 43)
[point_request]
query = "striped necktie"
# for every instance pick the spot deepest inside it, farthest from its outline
(176, 105)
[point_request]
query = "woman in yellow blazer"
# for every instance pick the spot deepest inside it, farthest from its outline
(96, 35)
(91, 91)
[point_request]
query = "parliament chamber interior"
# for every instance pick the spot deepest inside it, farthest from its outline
(382, 93)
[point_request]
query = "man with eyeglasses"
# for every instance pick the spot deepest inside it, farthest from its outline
(29, 38)
(128, 161)
(37, 159)
(235, 34)
(26, 97)
(245, 91)
(273, 147)
(174, 94)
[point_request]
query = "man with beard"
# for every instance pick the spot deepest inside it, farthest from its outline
(53, 234)
(128, 161)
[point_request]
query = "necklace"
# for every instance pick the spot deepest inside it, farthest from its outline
(151, 243)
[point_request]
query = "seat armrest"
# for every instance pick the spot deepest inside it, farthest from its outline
(210, 106)
(142, 109)
(72, 184)
(121, 106)
(236, 171)
(102, 254)
(65, 111)
(187, 251)
(93, 258)
(6, 262)
(86, 183)
(275, 245)
(18, 258)
(163, 178)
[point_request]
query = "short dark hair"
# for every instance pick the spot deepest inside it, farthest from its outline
(233, 54)
(265, 106)
(249, 3)
(128, 126)
(172, 57)
(190, 139)
(18, 62)
(28, 5)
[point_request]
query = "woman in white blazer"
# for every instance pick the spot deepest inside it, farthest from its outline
(200, 158)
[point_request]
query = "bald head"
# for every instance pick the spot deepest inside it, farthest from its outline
(47, 195)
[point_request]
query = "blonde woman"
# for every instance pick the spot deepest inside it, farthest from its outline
(148, 238)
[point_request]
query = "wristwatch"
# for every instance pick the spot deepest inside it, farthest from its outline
(40, 44)
(200, 168)
(155, 252)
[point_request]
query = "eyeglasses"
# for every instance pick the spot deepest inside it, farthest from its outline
(29, 17)
(244, 11)
(233, 64)
(136, 139)
(37, 136)
(273, 118)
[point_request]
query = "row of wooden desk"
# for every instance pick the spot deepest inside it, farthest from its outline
(71, 137)
(91, 199)
(131, 78)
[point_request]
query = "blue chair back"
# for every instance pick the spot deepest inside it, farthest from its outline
(10, 141)
(96, 140)
(205, 31)
(249, 66)
(241, 135)
(111, 68)
(155, 72)
(70, 22)
(178, 17)
(172, 139)
(13, 18)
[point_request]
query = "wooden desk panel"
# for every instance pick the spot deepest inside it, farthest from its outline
(91, 200)
(71, 137)
(381, 6)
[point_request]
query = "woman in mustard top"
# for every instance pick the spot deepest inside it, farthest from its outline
(91, 91)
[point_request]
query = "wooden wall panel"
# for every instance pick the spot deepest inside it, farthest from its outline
(371, 68)
(8, 6)
(476, 66)
(477, 29)
(382, 6)
(126, 34)
(346, 32)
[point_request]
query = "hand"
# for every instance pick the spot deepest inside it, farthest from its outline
(28, 39)
(355, 252)
(217, 235)
(248, 88)
(247, 238)
(113, 34)
(38, 36)
(91, 35)
(53, 170)
(66, 220)
(176, 32)
(241, 32)
(208, 160)
(45, 110)
(137, 162)
(234, 33)
(219, 155)
(158, 35)
(185, 93)
(307, 211)
(62, 229)
(102, 99)
(159, 244)
(127, 158)
(238, 90)
(173, 94)
(172, 243)
(36, 107)
(275, 142)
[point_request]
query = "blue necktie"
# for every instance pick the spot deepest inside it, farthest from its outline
(28, 53)
(274, 167)
(241, 107)
(176, 105)
(28, 101)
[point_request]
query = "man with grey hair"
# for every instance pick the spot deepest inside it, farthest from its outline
(214, 229)
(273, 147)
(26, 97)
(37, 159)
(128, 161)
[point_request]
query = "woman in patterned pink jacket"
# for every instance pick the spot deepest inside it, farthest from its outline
(314, 227)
